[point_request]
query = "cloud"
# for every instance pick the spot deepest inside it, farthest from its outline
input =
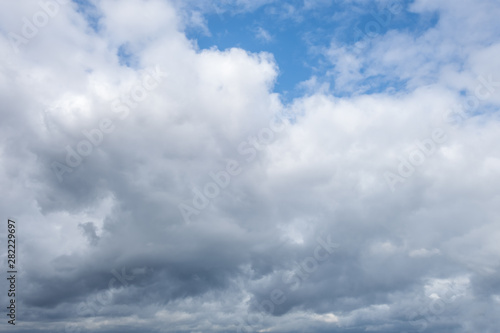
(90, 231)
(107, 249)
(424, 253)
(263, 35)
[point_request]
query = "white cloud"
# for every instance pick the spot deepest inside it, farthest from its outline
(263, 35)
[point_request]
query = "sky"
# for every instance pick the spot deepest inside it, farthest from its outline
(251, 165)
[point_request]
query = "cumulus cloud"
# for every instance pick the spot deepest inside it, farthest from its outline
(364, 205)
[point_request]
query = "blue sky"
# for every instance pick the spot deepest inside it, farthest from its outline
(297, 35)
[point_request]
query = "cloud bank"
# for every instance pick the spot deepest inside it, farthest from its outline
(163, 187)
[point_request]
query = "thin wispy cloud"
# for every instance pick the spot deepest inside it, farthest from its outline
(263, 35)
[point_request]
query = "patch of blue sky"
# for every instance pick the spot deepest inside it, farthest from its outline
(126, 57)
(290, 37)
(253, 34)
(92, 16)
(297, 34)
(374, 24)
(89, 12)
(487, 110)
